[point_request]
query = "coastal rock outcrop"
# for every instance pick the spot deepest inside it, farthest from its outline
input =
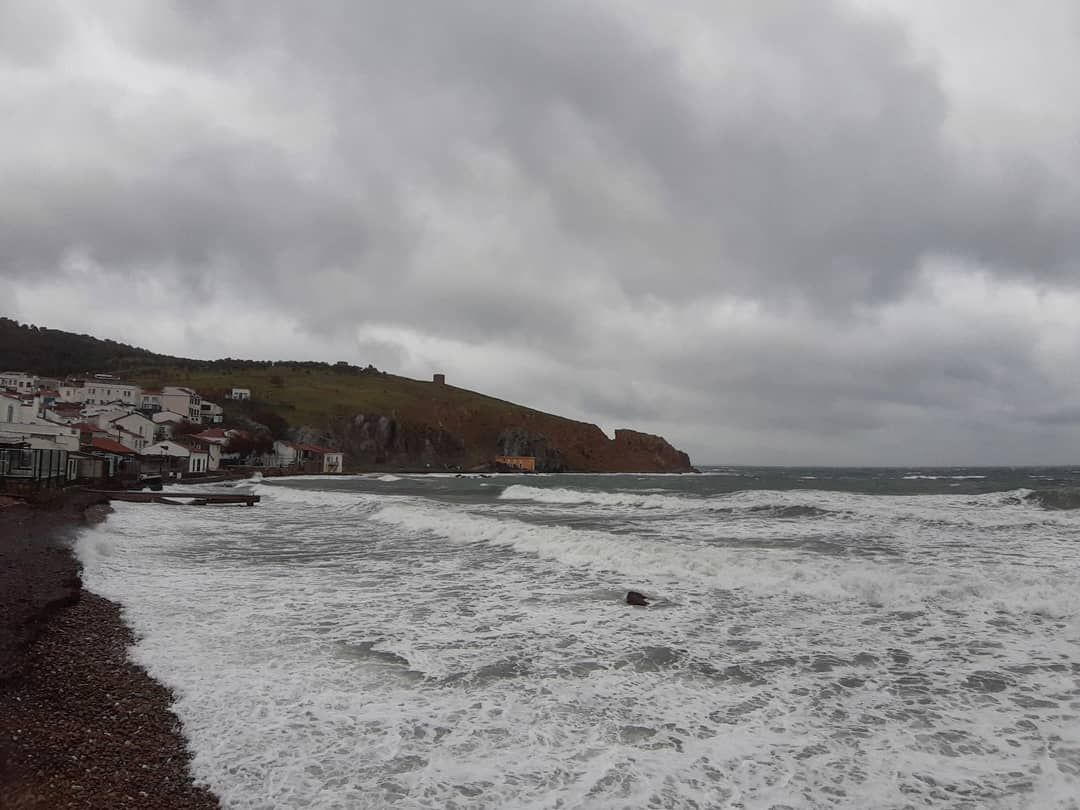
(448, 437)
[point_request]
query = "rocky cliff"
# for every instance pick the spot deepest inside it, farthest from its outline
(469, 440)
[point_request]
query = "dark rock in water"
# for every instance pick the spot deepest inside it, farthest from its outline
(635, 598)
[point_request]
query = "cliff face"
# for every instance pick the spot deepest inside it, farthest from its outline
(460, 438)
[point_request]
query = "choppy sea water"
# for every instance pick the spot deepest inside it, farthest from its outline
(835, 639)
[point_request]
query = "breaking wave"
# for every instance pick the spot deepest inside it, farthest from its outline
(1055, 498)
(728, 504)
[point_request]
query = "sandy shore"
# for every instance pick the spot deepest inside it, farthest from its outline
(80, 725)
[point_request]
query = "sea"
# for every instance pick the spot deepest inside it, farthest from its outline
(814, 638)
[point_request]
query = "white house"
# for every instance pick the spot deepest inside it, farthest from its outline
(199, 460)
(167, 457)
(240, 393)
(200, 449)
(64, 412)
(183, 401)
(311, 457)
(212, 413)
(41, 436)
(172, 455)
(285, 454)
(103, 414)
(19, 381)
(150, 400)
(132, 430)
(106, 389)
(16, 408)
(166, 448)
(164, 422)
(72, 391)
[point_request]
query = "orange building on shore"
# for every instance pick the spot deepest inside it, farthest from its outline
(522, 463)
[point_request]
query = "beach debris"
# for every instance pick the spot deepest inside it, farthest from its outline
(635, 598)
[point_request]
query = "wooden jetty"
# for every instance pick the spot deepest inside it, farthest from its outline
(179, 498)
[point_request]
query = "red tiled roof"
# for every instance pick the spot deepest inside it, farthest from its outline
(109, 446)
(88, 427)
(212, 433)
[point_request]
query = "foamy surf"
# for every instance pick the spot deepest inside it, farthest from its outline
(427, 643)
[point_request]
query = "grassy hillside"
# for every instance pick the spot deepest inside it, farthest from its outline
(375, 417)
(317, 396)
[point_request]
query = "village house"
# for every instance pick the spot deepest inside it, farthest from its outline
(215, 435)
(121, 461)
(105, 389)
(199, 460)
(22, 408)
(19, 381)
(164, 422)
(212, 414)
(200, 447)
(182, 401)
(40, 436)
(311, 458)
(150, 402)
(240, 393)
(169, 457)
(64, 412)
(72, 391)
(88, 431)
(24, 466)
(140, 429)
(86, 468)
(221, 437)
(284, 455)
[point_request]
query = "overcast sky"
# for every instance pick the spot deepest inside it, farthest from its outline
(782, 232)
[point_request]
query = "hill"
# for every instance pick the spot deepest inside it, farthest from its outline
(378, 419)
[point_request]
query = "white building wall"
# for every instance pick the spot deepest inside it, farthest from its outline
(212, 413)
(101, 392)
(20, 410)
(183, 401)
(137, 424)
(72, 393)
(42, 437)
(284, 454)
(19, 381)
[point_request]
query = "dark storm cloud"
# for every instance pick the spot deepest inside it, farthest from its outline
(823, 173)
(568, 181)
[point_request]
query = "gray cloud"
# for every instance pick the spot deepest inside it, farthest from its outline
(574, 183)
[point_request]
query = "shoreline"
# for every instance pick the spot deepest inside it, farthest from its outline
(81, 726)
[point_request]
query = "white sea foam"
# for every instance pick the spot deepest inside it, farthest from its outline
(920, 477)
(344, 648)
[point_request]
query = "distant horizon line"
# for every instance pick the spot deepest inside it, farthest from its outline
(1043, 466)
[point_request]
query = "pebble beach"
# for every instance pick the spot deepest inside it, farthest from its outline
(80, 725)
